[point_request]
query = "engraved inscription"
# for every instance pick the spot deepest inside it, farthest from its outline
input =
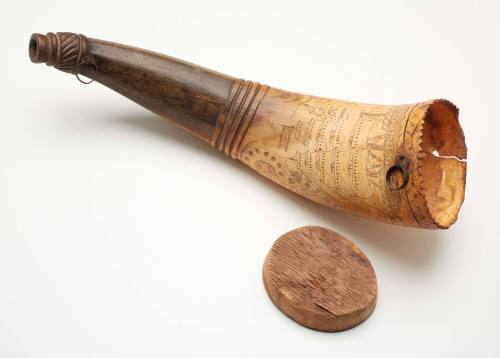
(334, 152)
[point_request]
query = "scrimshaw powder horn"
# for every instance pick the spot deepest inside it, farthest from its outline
(402, 164)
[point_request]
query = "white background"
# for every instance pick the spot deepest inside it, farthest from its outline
(122, 236)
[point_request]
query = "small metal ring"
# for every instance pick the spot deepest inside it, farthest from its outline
(82, 81)
(84, 61)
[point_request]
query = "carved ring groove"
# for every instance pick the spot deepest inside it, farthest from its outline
(235, 119)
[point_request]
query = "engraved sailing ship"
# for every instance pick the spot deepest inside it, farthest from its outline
(332, 152)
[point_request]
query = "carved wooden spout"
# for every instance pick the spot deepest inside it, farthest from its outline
(402, 164)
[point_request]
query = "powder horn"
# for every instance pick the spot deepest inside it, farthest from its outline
(403, 164)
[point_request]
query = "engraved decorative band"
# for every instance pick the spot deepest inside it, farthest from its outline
(66, 50)
(234, 120)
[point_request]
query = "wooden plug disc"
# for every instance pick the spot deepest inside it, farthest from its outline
(320, 279)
